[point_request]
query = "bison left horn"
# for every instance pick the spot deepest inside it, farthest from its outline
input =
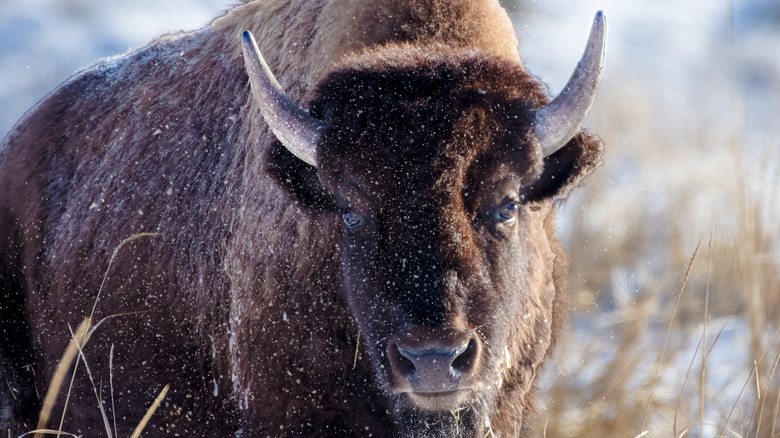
(558, 121)
(295, 128)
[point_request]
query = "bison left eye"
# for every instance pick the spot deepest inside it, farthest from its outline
(507, 212)
(351, 219)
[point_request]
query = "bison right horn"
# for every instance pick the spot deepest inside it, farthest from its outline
(558, 121)
(295, 128)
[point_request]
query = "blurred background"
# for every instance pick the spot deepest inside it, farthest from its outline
(664, 339)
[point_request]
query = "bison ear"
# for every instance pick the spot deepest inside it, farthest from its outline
(298, 178)
(565, 169)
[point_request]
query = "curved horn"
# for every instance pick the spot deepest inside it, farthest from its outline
(558, 121)
(295, 128)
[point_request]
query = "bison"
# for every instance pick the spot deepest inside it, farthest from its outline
(371, 252)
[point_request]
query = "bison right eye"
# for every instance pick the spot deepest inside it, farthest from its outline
(507, 212)
(352, 219)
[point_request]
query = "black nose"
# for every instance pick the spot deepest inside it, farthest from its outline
(433, 366)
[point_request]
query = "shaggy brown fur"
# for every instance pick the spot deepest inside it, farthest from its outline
(251, 298)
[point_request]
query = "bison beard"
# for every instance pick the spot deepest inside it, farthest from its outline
(413, 422)
(382, 263)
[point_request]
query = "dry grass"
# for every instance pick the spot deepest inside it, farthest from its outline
(150, 412)
(643, 357)
(66, 365)
(63, 368)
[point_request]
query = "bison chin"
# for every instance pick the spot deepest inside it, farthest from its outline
(440, 401)
(415, 421)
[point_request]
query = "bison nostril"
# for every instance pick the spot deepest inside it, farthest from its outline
(465, 361)
(431, 366)
(399, 362)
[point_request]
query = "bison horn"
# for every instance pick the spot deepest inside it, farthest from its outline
(295, 128)
(558, 121)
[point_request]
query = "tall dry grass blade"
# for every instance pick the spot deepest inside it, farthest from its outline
(763, 399)
(717, 337)
(67, 397)
(111, 385)
(59, 375)
(39, 432)
(10, 389)
(84, 340)
(99, 323)
(150, 412)
(777, 410)
(82, 334)
(668, 332)
(759, 407)
(705, 357)
(747, 381)
(357, 347)
(111, 261)
(94, 389)
(703, 384)
(758, 396)
(685, 381)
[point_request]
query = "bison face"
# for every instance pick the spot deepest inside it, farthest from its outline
(453, 301)
(442, 198)
(447, 245)
(440, 166)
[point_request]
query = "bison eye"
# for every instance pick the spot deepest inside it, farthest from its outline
(351, 219)
(507, 212)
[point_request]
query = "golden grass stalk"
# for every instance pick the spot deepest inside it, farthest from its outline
(111, 386)
(754, 371)
(763, 399)
(777, 409)
(357, 348)
(77, 342)
(668, 333)
(39, 432)
(704, 356)
(685, 381)
(59, 375)
(705, 318)
(94, 389)
(111, 261)
(150, 412)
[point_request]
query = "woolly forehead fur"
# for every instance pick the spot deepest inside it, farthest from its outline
(283, 29)
(420, 111)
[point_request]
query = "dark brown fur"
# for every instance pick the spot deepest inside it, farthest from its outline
(248, 300)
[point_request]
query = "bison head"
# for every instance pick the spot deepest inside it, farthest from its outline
(443, 166)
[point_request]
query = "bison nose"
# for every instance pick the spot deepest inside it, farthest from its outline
(432, 367)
